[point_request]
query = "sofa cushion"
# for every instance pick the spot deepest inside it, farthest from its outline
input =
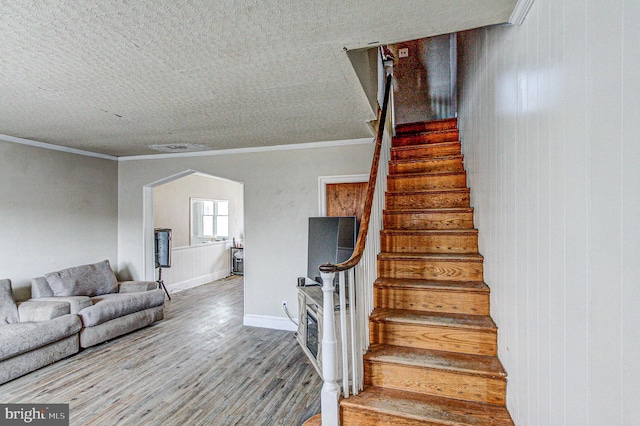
(40, 288)
(75, 303)
(36, 310)
(136, 286)
(8, 308)
(26, 336)
(109, 306)
(85, 280)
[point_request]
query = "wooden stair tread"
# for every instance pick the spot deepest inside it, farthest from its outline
(420, 132)
(432, 210)
(452, 286)
(426, 174)
(425, 126)
(421, 138)
(463, 231)
(427, 159)
(426, 151)
(426, 145)
(425, 132)
(479, 365)
(425, 408)
(437, 257)
(426, 192)
(478, 322)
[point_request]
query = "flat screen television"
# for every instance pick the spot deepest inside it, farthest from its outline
(331, 239)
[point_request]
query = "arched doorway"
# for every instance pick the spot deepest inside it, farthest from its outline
(169, 203)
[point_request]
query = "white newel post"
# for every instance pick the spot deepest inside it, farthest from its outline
(330, 389)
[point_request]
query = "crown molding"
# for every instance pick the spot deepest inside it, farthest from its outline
(68, 150)
(520, 12)
(249, 150)
(53, 147)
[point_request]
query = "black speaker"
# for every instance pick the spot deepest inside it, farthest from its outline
(163, 247)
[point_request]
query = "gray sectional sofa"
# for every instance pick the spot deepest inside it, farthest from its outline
(106, 307)
(68, 310)
(33, 334)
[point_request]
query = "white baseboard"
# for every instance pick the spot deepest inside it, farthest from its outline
(194, 282)
(266, 321)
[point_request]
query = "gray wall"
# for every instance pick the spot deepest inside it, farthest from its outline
(550, 125)
(281, 192)
(57, 210)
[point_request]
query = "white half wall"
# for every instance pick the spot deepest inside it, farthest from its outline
(550, 126)
(281, 192)
(57, 210)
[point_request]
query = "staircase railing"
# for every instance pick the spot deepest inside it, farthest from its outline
(355, 283)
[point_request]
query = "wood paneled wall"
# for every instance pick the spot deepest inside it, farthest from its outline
(550, 124)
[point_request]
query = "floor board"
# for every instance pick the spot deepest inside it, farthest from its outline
(199, 366)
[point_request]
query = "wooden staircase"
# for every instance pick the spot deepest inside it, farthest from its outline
(432, 358)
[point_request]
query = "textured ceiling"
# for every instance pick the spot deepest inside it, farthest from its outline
(114, 77)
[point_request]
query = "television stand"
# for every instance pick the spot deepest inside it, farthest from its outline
(310, 315)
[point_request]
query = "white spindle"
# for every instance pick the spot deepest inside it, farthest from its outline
(343, 334)
(355, 355)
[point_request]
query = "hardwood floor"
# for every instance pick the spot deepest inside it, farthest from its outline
(199, 366)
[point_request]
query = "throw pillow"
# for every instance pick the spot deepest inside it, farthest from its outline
(86, 280)
(8, 307)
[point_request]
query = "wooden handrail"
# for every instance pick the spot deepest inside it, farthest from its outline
(371, 186)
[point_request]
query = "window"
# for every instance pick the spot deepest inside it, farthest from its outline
(209, 220)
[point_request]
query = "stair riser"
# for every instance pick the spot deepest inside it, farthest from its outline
(434, 243)
(432, 300)
(428, 200)
(354, 417)
(440, 338)
(427, 182)
(431, 270)
(434, 382)
(425, 151)
(426, 138)
(432, 126)
(427, 166)
(435, 220)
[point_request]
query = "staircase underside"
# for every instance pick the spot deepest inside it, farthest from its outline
(432, 359)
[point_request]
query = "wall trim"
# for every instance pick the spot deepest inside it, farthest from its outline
(53, 147)
(68, 150)
(195, 282)
(267, 321)
(308, 145)
(520, 12)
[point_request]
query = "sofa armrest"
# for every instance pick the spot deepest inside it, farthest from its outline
(34, 311)
(136, 286)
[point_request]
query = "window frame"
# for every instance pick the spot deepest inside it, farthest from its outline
(197, 235)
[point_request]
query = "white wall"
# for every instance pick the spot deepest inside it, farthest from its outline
(550, 125)
(57, 210)
(281, 192)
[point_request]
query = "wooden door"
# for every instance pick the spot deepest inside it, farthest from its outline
(346, 199)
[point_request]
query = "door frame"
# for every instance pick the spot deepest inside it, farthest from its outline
(322, 187)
